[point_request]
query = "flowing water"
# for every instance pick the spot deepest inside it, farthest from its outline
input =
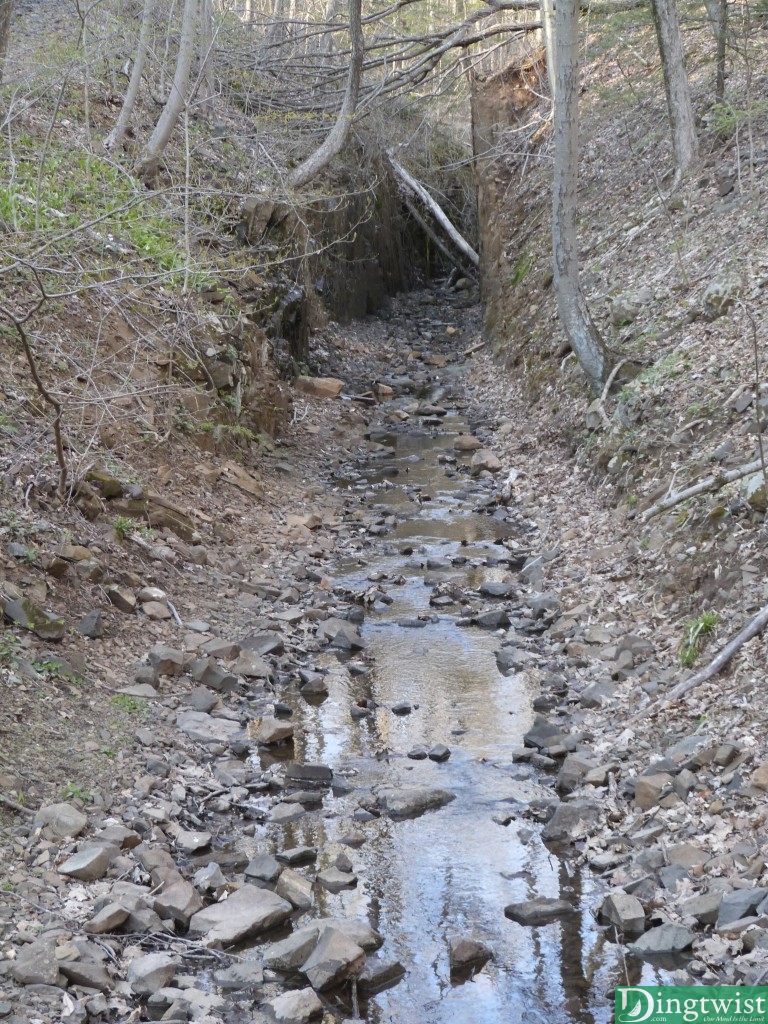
(452, 871)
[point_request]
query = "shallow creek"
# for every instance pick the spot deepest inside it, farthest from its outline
(452, 871)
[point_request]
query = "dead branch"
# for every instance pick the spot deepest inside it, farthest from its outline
(18, 325)
(432, 235)
(757, 625)
(14, 806)
(709, 484)
(606, 390)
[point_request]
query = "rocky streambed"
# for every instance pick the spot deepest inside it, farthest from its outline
(380, 784)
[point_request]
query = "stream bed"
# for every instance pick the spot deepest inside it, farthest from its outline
(450, 872)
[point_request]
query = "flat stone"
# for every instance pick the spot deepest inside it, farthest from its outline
(495, 588)
(87, 973)
(25, 613)
(759, 777)
(202, 699)
(192, 842)
(538, 911)
(290, 953)
(168, 660)
(320, 774)
(295, 1007)
(206, 729)
(36, 964)
(739, 903)
(252, 665)
(320, 387)
(264, 868)
(649, 789)
(411, 801)
(247, 912)
(270, 731)
(334, 959)
(89, 864)
(157, 611)
(147, 974)
(705, 908)
(467, 443)
(61, 819)
(335, 880)
(686, 855)
(108, 919)
(297, 855)
(571, 821)
(665, 938)
(243, 974)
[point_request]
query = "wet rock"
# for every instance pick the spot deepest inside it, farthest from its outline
(465, 954)
(378, 975)
(418, 753)
(341, 633)
(247, 912)
(29, 615)
(263, 868)
(402, 708)
(295, 888)
(315, 687)
(334, 959)
(497, 589)
(89, 864)
(298, 855)
(572, 821)
(317, 774)
(411, 801)
(147, 974)
(61, 820)
(542, 734)
(439, 753)
(295, 1007)
(624, 912)
(270, 731)
(512, 659)
(36, 964)
(335, 880)
(665, 938)
(206, 729)
(538, 911)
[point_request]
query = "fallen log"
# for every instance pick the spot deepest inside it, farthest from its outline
(710, 483)
(421, 193)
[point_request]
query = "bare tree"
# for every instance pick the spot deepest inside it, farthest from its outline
(340, 131)
(717, 11)
(148, 162)
(116, 136)
(547, 32)
(574, 315)
(6, 16)
(681, 119)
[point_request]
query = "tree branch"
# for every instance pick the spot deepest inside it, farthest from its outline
(710, 483)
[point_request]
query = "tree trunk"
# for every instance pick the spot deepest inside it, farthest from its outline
(717, 11)
(6, 16)
(547, 9)
(116, 136)
(147, 165)
(207, 94)
(572, 308)
(681, 119)
(340, 131)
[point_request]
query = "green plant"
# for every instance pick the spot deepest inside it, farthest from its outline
(10, 646)
(109, 752)
(74, 792)
(522, 268)
(123, 526)
(700, 627)
(127, 703)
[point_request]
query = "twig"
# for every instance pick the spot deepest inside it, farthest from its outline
(174, 613)
(473, 348)
(606, 390)
(756, 356)
(710, 483)
(19, 808)
(757, 625)
(45, 394)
